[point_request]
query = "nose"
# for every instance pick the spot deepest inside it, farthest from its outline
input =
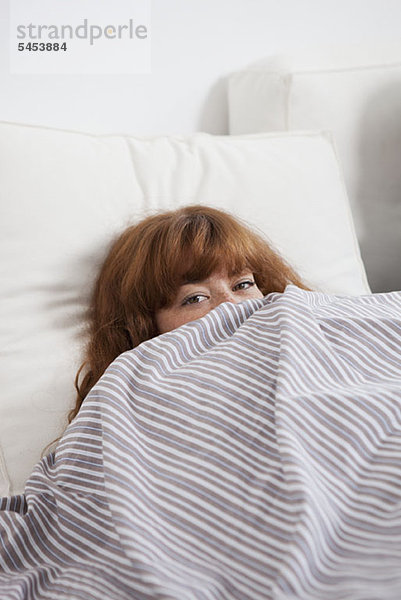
(225, 296)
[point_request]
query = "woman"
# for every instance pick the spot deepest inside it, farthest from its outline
(255, 454)
(169, 269)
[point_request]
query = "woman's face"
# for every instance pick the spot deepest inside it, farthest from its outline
(195, 299)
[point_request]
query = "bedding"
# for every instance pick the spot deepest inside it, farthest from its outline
(67, 195)
(354, 92)
(252, 454)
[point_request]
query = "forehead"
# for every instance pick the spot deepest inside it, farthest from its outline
(218, 274)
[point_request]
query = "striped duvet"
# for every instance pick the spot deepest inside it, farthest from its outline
(252, 454)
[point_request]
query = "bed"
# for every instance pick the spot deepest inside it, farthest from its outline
(253, 453)
(96, 513)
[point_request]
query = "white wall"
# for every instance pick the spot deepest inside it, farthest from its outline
(196, 43)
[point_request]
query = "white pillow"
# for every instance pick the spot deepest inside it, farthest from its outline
(356, 93)
(64, 195)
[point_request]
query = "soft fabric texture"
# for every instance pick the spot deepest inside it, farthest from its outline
(355, 92)
(254, 454)
(65, 195)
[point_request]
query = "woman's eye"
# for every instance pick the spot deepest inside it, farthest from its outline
(244, 285)
(193, 299)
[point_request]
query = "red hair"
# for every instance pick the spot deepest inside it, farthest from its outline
(145, 267)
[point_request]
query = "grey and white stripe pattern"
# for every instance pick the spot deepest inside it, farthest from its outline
(252, 454)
